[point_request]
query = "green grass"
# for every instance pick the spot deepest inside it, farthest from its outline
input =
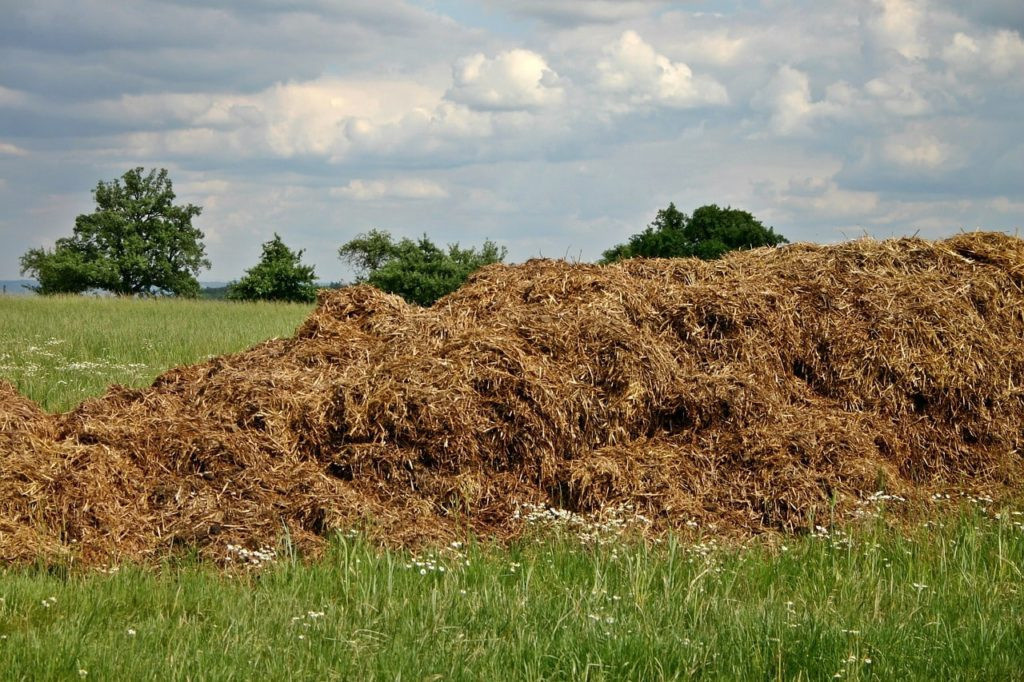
(933, 604)
(938, 602)
(59, 351)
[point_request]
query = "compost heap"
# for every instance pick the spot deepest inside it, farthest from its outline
(756, 392)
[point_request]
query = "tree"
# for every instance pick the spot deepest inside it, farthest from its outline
(418, 271)
(136, 242)
(279, 276)
(708, 234)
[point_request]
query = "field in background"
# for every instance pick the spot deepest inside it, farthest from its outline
(59, 351)
(940, 601)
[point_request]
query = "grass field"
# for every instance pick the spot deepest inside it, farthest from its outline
(59, 351)
(938, 601)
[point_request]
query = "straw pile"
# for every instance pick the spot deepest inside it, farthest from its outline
(752, 393)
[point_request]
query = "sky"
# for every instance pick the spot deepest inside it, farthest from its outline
(556, 128)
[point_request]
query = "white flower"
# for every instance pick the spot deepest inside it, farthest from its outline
(131, 632)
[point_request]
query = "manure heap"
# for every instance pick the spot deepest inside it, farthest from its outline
(753, 393)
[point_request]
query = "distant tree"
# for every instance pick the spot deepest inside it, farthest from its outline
(418, 271)
(708, 234)
(136, 242)
(279, 276)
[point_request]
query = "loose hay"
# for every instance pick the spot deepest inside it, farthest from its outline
(762, 391)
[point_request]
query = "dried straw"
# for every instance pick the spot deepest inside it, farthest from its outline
(753, 393)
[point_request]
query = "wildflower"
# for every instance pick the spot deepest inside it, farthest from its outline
(919, 586)
(131, 632)
(82, 672)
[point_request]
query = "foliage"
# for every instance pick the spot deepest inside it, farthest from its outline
(418, 271)
(279, 276)
(710, 233)
(136, 242)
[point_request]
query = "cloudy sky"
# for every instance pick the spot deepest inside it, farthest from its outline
(554, 127)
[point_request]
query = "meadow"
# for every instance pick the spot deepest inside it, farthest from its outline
(60, 350)
(941, 599)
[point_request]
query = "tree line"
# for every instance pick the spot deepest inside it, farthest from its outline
(138, 242)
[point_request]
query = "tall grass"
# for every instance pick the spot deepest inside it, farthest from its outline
(940, 603)
(59, 351)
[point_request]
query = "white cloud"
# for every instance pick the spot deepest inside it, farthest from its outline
(821, 196)
(632, 69)
(516, 79)
(793, 111)
(897, 95)
(322, 117)
(435, 132)
(7, 149)
(896, 26)
(917, 150)
(1000, 54)
(717, 48)
(399, 188)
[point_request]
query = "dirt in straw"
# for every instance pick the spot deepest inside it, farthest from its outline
(755, 393)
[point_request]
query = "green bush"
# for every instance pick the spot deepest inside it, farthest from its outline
(710, 233)
(418, 271)
(279, 276)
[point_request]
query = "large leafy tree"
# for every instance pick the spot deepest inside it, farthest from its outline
(279, 276)
(709, 233)
(136, 242)
(418, 271)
